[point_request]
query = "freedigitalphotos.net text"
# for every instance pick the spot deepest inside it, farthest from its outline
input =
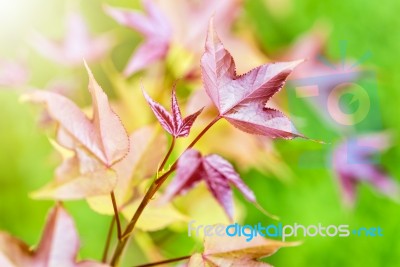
(280, 230)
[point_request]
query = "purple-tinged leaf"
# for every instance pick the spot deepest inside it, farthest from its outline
(218, 185)
(216, 172)
(161, 114)
(241, 99)
(187, 175)
(176, 112)
(172, 123)
(255, 119)
(187, 123)
(227, 170)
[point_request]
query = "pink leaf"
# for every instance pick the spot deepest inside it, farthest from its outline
(227, 170)
(176, 112)
(187, 123)
(241, 99)
(161, 114)
(155, 28)
(103, 135)
(172, 123)
(58, 246)
(216, 172)
(218, 185)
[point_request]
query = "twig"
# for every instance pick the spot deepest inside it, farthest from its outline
(149, 195)
(168, 154)
(116, 214)
(108, 241)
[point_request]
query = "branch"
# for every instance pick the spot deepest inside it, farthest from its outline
(116, 214)
(168, 154)
(149, 195)
(108, 241)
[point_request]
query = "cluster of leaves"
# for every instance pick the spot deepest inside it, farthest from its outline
(101, 159)
(107, 158)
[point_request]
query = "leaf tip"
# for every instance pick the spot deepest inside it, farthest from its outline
(295, 63)
(212, 36)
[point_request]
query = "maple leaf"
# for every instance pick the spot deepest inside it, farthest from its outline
(77, 43)
(265, 157)
(153, 25)
(215, 171)
(172, 123)
(353, 164)
(97, 144)
(241, 99)
(58, 246)
(104, 135)
(235, 251)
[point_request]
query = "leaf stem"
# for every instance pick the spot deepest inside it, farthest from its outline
(116, 214)
(108, 241)
(164, 262)
(168, 154)
(149, 195)
(200, 135)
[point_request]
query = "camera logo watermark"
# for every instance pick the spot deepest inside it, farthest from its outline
(344, 96)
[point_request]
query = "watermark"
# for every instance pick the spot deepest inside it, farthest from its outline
(281, 231)
(344, 95)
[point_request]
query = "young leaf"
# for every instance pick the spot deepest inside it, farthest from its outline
(172, 123)
(155, 28)
(104, 136)
(58, 246)
(96, 145)
(216, 172)
(236, 251)
(353, 164)
(241, 99)
(77, 43)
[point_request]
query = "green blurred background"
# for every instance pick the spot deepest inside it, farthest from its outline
(27, 159)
